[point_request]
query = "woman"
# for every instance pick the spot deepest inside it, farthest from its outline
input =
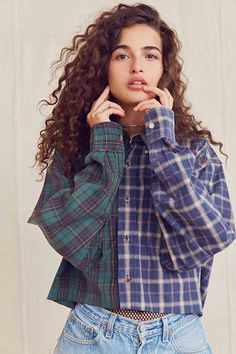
(135, 198)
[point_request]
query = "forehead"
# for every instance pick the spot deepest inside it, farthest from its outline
(139, 34)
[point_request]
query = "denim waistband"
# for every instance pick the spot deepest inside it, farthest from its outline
(113, 321)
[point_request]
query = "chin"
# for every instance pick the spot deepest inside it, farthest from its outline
(133, 97)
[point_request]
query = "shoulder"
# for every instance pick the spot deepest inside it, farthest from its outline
(205, 155)
(58, 162)
(204, 152)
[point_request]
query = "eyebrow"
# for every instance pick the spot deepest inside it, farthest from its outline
(124, 46)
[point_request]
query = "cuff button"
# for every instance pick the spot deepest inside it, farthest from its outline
(151, 125)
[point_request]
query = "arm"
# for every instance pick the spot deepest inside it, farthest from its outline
(191, 201)
(70, 213)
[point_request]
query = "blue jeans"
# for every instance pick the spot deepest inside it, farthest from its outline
(92, 329)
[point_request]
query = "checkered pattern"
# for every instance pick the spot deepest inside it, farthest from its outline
(139, 225)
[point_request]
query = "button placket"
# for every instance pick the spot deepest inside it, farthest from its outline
(127, 278)
(126, 238)
(127, 199)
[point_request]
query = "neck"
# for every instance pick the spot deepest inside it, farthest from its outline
(133, 131)
(132, 122)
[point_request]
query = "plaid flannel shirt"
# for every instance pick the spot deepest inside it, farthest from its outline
(139, 225)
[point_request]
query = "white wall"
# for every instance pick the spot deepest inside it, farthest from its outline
(31, 36)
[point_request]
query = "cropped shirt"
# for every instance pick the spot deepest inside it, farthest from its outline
(138, 227)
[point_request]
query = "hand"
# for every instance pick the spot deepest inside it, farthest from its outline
(102, 109)
(165, 98)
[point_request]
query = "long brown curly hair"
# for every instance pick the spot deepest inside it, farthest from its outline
(84, 77)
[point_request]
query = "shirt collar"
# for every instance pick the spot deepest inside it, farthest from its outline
(141, 137)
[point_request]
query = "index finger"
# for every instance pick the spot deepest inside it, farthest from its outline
(168, 92)
(102, 97)
(154, 89)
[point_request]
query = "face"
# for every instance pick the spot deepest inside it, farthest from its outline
(137, 55)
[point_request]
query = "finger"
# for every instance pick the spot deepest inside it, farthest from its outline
(158, 92)
(112, 110)
(154, 101)
(141, 103)
(154, 89)
(169, 98)
(149, 105)
(106, 113)
(102, 97)
(168, 94)
(108, 104)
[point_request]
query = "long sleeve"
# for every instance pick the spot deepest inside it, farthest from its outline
(191, 199)
(70, 213)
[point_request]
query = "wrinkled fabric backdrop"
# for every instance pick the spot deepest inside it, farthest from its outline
(31, 37)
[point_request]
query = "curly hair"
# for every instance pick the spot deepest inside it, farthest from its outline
(84, 77)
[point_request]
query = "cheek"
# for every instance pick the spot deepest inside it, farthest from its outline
(158, 78)
(115, 81)
(110, 72)
(159, 74)
(111, 76)
(159, 71)
(155, 76)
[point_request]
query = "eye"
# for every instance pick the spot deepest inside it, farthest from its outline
(120, 55)
(152, 56)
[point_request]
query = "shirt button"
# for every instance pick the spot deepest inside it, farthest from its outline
(127, 279)
(126, 238)
(151, 125)
(127, 199)
(146, 151)
(120, 137)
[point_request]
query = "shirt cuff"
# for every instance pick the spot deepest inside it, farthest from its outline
(106, 136)
(160, 123)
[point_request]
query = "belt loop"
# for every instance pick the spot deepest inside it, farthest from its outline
(165, 329)
(110, 325)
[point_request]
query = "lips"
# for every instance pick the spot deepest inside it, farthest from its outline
(137, 80)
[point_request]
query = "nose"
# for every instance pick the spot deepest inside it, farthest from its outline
(136, 66)
(137, 69)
